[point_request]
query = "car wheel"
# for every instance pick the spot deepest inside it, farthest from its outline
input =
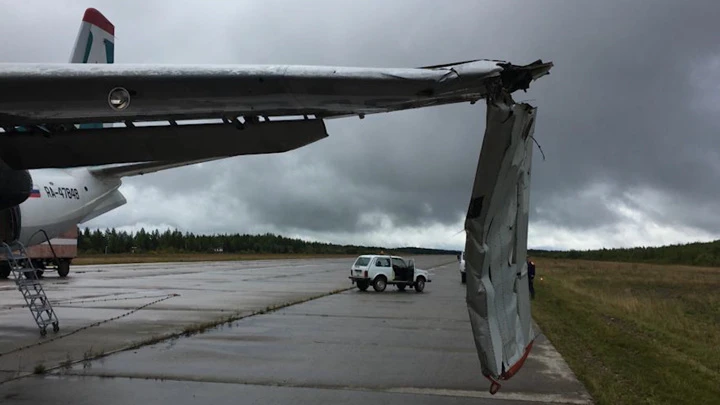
(463, 278)
(420, 284)
(362, 285)
(379, 283)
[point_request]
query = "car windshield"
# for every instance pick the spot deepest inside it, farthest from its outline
(362, 261)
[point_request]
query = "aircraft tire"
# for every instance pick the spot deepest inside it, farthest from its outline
(4, 270)
(34, 276)
(63, 268)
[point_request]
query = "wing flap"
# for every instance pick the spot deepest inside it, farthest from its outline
(97, 146)
(141, 168)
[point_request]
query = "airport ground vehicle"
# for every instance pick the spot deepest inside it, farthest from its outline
(381, 270)
(461, 265)
(55, 256)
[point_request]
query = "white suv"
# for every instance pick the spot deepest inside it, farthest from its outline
(381, 270)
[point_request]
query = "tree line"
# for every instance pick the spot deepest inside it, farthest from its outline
(173, 241)
(693, 254)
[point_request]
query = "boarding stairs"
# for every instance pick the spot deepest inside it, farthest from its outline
(28, 282)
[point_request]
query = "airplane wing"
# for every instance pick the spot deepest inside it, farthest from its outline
(49, 101)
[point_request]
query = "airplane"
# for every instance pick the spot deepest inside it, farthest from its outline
(75, 115)
(62, 198)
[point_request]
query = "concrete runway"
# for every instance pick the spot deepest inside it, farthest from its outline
(346, 346)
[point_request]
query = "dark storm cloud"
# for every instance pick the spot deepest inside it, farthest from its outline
(620, 108)
(626, 118)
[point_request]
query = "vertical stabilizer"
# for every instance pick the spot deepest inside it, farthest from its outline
(95, 42)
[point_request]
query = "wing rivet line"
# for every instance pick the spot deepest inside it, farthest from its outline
(119, 99)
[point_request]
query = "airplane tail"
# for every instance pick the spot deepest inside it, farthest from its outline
(95, 42)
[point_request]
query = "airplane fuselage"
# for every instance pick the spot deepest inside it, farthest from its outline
(62, 199)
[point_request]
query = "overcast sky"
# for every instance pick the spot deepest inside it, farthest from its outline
(628, 119)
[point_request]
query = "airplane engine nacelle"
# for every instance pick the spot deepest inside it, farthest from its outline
(15, 188)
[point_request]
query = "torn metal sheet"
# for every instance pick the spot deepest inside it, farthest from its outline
(496, 225)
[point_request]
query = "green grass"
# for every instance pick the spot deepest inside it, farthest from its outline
(634, 333)
(192, 257)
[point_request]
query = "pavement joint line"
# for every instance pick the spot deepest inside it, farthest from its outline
(580, 399)
(521, 396)
(187, 332)
(82, 328)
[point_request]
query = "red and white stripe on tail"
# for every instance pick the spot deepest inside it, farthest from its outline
(95, 42)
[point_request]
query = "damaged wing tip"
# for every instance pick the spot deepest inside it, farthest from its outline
(517, 77)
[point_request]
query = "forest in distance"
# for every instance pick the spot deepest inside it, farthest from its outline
(170, 241)
(705, 254)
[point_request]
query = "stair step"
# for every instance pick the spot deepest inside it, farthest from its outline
(40, 308)
(26, 270)
(30, 287)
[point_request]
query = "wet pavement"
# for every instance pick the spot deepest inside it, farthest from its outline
(352, 346)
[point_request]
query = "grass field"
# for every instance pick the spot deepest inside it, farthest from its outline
(192, 257)
(634, 333)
